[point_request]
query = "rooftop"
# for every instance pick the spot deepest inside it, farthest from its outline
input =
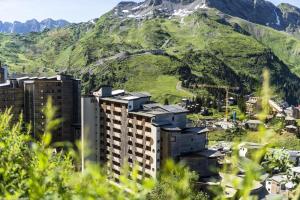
(296, 170)
(294, 153)
(210, 153)
(253, 122)
(122, 96)
(279, 178)
(7, 83)
(289, 118)
(147, 108)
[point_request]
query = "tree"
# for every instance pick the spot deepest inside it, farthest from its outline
(176, 182)
(241, 102)
(166, 101)
(277, 161)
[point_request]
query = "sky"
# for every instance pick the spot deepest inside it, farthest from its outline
(71, 10)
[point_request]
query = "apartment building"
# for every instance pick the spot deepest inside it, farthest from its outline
(121, 128)
(29, 95)
(11, 96)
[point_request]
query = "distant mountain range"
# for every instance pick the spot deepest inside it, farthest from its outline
(31, 26)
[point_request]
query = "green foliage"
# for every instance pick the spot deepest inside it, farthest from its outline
(241, 102)
(166, 102)
(228, 135)
(284, 45)
(277, 160)
(14, 158)
(176, 182)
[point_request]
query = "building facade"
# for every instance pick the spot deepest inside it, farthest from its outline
(3, 74)
(253, 106)
(29, 95)
(120, 128)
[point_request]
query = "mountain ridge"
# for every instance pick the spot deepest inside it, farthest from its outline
(32, 25)
(284, 17)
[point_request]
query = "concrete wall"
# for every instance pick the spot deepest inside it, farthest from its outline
(180, 120)
(136, 104)
(175, 144)
(186, 143)
(205, 167)
(155, 151)
(90, 129)
(176, 119)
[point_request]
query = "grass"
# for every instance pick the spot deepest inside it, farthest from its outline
(159, 85)
(284, 45)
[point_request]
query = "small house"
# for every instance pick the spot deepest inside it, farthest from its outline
(292, 129)
(290, 121)
(277, 185)
(295, 172)
(253, 124)
(295, 157)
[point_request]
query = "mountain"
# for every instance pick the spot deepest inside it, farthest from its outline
(285, 17)
(31, 26)
(154, 45)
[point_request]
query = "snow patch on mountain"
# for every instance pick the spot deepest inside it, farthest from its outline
(182, 12)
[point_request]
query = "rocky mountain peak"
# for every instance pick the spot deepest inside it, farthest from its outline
(285, 17)
(150, 8)
(161, 2)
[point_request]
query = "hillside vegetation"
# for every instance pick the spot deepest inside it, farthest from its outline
(155, 54)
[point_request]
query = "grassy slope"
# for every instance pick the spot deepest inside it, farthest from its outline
(284, 45)
(163, 84)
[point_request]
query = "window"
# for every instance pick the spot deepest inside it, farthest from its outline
(173, 139)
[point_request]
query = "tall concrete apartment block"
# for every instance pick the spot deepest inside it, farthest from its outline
(11, 96)
(28, 96)
(127, 128)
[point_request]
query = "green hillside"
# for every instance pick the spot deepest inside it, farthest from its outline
(154, 55)
(284, 45)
